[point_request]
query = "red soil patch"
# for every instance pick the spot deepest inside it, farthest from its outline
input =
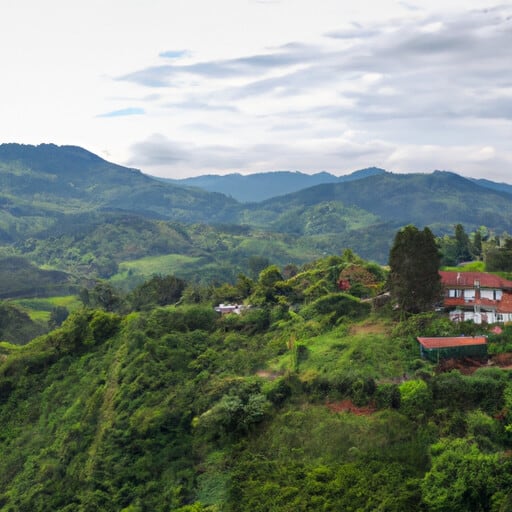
(503, 360)
(348, 406)
(467, 366)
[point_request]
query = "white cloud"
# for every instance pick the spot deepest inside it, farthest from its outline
(264, 84)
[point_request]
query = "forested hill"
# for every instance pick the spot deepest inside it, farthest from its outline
(45, 190)
(501, 187)
(440, 199)
(261, 186)
(40, 183)
(311, 400)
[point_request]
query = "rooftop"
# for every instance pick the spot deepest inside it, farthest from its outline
(468, 279)
(454, 341)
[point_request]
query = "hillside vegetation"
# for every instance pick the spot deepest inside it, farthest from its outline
(313, 399)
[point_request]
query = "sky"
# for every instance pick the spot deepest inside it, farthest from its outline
(180, 88)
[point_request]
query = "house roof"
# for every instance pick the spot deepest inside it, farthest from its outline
(467, 280)
(449, 342)
(505, 304)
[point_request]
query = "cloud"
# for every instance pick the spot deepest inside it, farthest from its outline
(413, 89)
(130, 111)
(174, 54)
(158, 76)
(469, 160)
(173, 158)
(355, 32)
(409, 6)
(203, 106)
(157, 150)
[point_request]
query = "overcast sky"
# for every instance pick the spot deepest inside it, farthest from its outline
(186, 87)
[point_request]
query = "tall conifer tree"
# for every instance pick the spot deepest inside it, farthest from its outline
(414, 278)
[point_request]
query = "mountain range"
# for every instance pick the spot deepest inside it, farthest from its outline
(70, 196)
(261, 186)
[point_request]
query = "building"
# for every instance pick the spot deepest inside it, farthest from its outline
(435, 349)
(477, 296)
(225, 309)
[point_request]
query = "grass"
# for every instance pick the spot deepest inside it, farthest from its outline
(366, 347)
(40, 309)
(151, 265)
(474, 266)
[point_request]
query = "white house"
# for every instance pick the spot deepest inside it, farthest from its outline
(477, 296)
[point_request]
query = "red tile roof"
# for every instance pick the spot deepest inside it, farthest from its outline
(467, 280)
(505, 304)
(455, 341)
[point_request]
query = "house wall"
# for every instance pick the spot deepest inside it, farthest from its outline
(489, 317)
(477, 303)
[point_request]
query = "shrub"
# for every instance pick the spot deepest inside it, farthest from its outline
(336, 305)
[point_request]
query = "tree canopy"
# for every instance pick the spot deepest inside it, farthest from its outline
(414, 261)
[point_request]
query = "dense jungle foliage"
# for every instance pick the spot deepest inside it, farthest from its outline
(312, 399)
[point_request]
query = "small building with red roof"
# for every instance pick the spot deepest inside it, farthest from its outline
(438, 348)
(477, 296)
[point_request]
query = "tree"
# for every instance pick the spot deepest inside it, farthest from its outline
(159, 290)
(270, 286)
(477, 244)
(498, 259)
(463, 252)
(464, 478)
(256, 264)
(414, 279)
(104, 296)
(57, 316)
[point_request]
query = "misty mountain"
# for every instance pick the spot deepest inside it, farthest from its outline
(261, 186)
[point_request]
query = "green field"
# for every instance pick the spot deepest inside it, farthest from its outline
(40, 309)
(151, 265)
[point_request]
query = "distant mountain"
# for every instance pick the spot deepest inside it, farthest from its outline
(261, 186)
(39, 184)
(440, 199)
(500, 187)
(47, 192)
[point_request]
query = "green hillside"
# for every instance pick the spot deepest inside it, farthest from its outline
(20, 278)
(64, 208)
(313, 400)
(440, 199)
(41, 183)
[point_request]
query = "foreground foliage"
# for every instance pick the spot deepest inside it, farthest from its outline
(314, 400)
